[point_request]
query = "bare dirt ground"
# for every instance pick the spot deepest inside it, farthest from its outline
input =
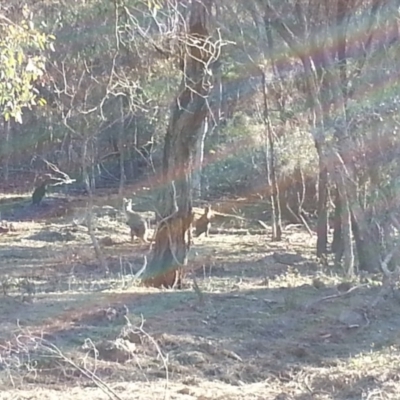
(269, 322)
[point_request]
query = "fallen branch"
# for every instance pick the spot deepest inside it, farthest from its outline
(335, 296)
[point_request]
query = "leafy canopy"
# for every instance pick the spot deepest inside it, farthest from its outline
(22, 61)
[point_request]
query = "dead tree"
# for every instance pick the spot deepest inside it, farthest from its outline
(169, 254)
(57, 178)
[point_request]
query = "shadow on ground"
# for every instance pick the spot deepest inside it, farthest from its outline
(242, 335)
(268, 321)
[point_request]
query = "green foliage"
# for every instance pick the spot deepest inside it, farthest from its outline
(241, 128)
(234, 173)
(22, 62)
(241, 154)
(237, 157)
(296, 150)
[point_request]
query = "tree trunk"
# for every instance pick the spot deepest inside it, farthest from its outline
(346, 229)
(329, 113)
(169, 256)
(272, 179)
(367, 248)
(322, 223)
(198, 162)
(121, 141)
(270, 168)
(6, 150)
(89, 215)
(337, 243)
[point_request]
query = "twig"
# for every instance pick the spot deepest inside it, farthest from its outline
(160, 353)
(335, 296)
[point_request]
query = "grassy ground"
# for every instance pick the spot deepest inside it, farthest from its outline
(271, 323)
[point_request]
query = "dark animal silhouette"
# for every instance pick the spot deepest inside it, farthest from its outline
(203, 224)
(39, 193)
(136, 222)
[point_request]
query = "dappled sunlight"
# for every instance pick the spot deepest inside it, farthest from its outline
(139, 93)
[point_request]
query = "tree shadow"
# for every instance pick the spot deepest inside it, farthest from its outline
(264, 267)
(242, 335)
(252, 319)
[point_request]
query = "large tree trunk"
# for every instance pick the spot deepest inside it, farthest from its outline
(367, 246)
(170, 251)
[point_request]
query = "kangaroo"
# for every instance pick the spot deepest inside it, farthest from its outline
(136, 222)
(203, 224)
(39, 193)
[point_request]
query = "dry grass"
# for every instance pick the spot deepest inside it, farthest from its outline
(262, 330)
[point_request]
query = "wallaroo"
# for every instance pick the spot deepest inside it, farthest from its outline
(135, 221)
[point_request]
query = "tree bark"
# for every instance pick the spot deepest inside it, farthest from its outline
(169, 256)
(198, 163)
(270, 168)
(271, 172)
(7, 150)
(346, 228)
(337, 242)
(322, 223)
(121, 141)
(89, 214)
(367, 246)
